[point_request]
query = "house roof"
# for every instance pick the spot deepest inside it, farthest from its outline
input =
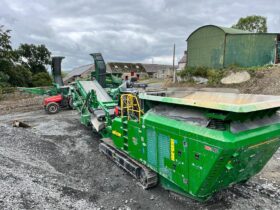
(184, 58)
(78, 71)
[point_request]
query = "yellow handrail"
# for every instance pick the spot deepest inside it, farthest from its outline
(130, 104)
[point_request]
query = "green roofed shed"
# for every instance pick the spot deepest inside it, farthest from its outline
(219, 47)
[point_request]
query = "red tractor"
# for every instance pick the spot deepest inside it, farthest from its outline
(61, 101)
(63, 98)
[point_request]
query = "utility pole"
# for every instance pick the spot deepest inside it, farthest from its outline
(174, 71)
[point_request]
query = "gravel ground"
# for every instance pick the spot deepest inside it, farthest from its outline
(56, 165)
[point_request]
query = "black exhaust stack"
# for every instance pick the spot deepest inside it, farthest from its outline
(100, 69)
(56, 70)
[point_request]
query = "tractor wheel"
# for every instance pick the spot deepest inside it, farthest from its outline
(52, 108)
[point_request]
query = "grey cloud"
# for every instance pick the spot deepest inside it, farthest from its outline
(123, 30)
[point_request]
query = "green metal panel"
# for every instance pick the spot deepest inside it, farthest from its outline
(206, 47)
(117, 133)
(250, 49)
(134, 140)
(152, 148)
(51, 91)
(163, 148)
(216, 159)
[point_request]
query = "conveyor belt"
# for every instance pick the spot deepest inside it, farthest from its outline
(102, 95)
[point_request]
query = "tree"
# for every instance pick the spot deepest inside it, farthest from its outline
(41, 79)
(6, 55)
(33, 57)
(252, 23)
(4, 78)
(22, 77)
(6, 50)
(25, 66)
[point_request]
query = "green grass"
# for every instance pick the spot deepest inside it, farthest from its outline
(253, 68)
(213, 75)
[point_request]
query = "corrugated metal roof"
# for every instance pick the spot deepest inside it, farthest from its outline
(224, 29)
(78, 71)
(233, 30)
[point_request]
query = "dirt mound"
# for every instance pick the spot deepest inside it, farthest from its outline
(17, 102)
(265, 82)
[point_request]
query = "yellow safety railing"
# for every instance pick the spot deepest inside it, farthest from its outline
(130, 104)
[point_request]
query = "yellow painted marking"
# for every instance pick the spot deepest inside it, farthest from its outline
(172, 149)
(266, 142)
(116, 133)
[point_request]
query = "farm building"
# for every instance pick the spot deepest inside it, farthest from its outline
(127, 70)
(219, 47)
(159, 71)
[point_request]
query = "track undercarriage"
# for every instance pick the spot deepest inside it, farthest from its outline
(146, 177)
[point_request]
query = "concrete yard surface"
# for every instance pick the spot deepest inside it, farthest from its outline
(56, 164)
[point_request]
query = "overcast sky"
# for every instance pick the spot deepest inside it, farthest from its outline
(123, 30)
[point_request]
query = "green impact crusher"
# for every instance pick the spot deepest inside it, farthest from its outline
(192, 143)
(200, 142)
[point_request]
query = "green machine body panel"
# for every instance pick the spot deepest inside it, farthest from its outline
(51, 91)
(212, 141)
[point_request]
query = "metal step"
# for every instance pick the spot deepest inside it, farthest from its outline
(146, 177)
(96, 124)
(98, 118)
